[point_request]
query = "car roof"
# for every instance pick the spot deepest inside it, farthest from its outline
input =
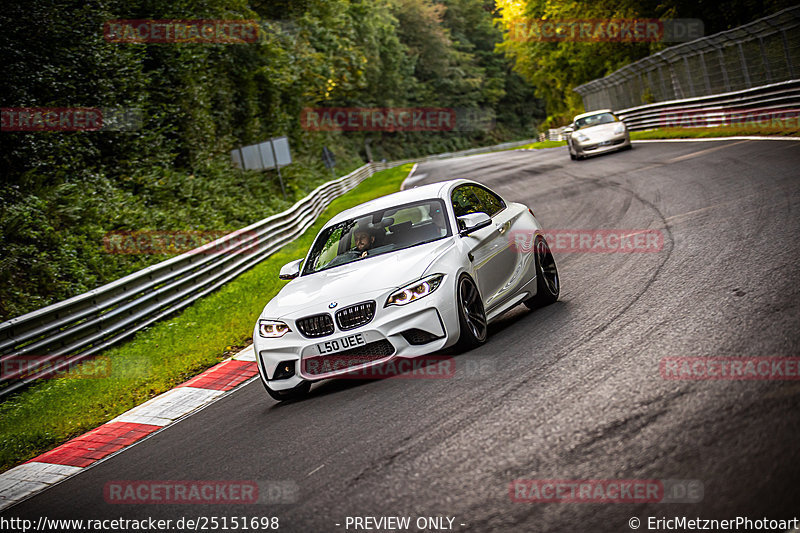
(422, 192)
(590, 113)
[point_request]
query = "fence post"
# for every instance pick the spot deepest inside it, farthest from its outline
(744, 66)
(689, 76)
(765, 59)
(724, 70)
(705, 73)
(789, 65)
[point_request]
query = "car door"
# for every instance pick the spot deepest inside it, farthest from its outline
(492, 255)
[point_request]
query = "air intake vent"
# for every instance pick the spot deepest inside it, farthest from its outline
(418, 336)
(324, 364)
(315, 325)
(355, 315)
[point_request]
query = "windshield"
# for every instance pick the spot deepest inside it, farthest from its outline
(594, 120)
(378, 233)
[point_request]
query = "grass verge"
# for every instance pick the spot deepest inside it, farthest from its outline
(718, 131)
(541, 144)
(53, 411)
(686, 133)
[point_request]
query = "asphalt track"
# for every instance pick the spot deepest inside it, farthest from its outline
(572, 391)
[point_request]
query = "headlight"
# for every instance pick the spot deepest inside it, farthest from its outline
(415, 291)
(582, 137)
(272, 329)
(619, 128)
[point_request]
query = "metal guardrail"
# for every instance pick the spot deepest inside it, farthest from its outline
(769, 106)
(763, 52)
(60, 335)
(556, 134)
(471, 151)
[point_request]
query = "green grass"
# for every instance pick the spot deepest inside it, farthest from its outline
(541, 144)
(684, 133)
(718, 131)
(51, 412)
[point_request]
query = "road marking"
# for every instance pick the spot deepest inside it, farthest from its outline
(696, 211)
(315, 470)
(701, 152)
(410, 173)
(409, 181)
(694, 154)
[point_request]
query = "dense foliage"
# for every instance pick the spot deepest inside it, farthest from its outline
(61, 192)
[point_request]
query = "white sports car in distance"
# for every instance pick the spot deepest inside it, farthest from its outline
(596, 132)
(401, 276)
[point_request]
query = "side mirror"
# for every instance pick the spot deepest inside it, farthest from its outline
(569, 129)
(472, 222)
(291, 270)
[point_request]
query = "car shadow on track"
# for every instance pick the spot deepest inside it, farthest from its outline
(435, 365)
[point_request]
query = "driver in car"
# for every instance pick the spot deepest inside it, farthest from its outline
(364, 239)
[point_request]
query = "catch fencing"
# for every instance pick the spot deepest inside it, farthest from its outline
(762, 53)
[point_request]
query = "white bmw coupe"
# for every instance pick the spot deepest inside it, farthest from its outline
(402, 276)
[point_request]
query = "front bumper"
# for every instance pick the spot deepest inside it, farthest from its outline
(599, 146)
(434, 315)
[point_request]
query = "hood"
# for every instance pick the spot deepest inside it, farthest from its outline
(601, 132)
(352, 282)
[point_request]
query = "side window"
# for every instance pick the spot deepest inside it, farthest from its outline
(471, 199)
(465, 201)
(330, 249)
(491, 203)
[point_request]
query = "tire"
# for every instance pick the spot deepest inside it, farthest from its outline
(548, 284)
(297, 393)
(473, 329)
(571, 155)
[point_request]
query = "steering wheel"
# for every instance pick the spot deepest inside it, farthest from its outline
(349, 255)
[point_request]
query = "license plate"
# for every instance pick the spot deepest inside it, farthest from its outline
(340, 344)
(604, 143)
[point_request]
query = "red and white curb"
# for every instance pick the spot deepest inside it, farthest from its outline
(128, 428)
